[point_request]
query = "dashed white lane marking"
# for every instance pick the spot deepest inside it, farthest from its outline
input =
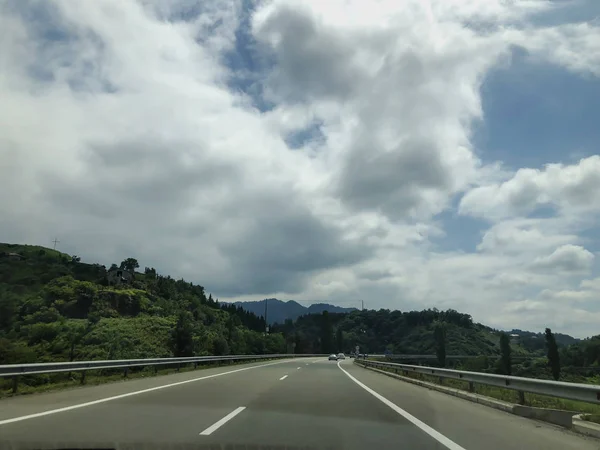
(298, 368)
(218, 424)
(129, 394)
(451, 445)
(283, 377)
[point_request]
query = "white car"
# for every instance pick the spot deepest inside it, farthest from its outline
(333, 357)
(341, 356)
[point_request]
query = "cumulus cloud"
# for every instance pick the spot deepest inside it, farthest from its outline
(380, 95)
(567, 258)
(566, 187)
(128, 132)
(519, 236)
(574, 46)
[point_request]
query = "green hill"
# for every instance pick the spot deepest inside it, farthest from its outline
(395, 332)
(55, 308)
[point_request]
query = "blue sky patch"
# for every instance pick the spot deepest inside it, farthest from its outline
(571, 11)
(463, 232)
(537, 113)
(300, 138)
(248, 65)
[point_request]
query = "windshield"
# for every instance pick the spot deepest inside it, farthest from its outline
(300, 224)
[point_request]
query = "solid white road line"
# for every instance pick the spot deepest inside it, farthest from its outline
(215, 426)
(451, 445)
(129, 394)
(298, 368)
(283, 377)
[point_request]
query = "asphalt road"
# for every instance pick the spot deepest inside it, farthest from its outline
(294, 404)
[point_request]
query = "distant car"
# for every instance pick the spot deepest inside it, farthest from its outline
(341, 356)
(333, 358)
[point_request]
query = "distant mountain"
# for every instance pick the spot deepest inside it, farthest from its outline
(537, 341)
(278, 311)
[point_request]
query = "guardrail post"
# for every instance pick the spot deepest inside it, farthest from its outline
(195, 365)
(441, 380)
(178, 367)
(15, 384)
(125, 372)
(155, 369)
(471, 386)
(82, 380)
(521, 397)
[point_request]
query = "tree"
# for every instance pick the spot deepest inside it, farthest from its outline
(439, 336)
(326, 333)
(220, 346)
(8, 310)
(339, 338)
(183, 336)
(130, 264)
(150, 272)
(75, 332)
(553, 356)
(75, 259)
(505, 362)
(113, 266)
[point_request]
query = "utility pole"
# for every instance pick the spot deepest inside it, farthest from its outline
(362, 302)
(56, 241)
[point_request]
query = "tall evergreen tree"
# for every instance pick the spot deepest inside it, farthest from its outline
(183, 336)
(439, 335)
(505, 351)
(339, 338)
(326, 333)
(553, 356)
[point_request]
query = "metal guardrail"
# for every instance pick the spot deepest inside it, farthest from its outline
(589, 393)
(448, 357)
(9, 370)
(16, 370)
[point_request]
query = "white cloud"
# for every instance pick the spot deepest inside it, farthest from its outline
(518, 236)
(574, 46)
(566, 187)
(123, 136)
(567, 258)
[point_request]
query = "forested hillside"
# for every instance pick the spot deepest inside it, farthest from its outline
(392, 331)
(54, 307)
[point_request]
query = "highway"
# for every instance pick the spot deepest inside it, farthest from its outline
(305, 403)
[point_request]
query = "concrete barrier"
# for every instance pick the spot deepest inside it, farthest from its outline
(555, 416)
(586, 427)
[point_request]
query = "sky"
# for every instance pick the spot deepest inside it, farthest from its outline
(409, 154)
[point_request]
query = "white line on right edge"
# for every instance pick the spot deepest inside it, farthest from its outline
(129, 394)
(451, 445)
(215, 426)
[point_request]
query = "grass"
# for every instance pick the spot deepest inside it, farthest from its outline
(591, 418)
(511, 396)
(62, 381)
